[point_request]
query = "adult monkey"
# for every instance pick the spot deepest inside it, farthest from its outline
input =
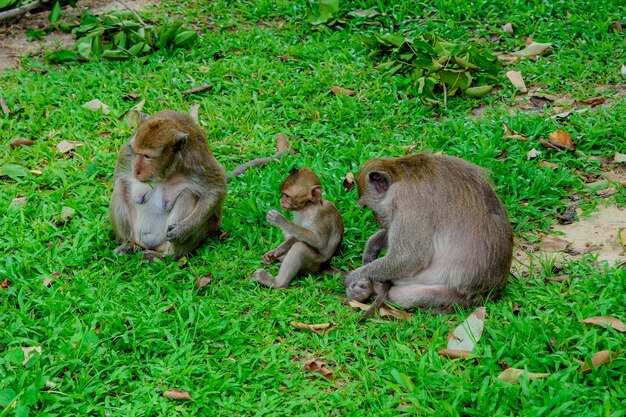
(447, 234)
(168, 188)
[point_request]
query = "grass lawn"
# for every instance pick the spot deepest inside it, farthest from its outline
(115, 333)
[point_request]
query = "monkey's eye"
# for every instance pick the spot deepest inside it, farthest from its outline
(146, 157)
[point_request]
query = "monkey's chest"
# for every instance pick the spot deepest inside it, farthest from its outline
(153, 207)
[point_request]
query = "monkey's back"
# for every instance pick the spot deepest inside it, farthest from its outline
(472, 241)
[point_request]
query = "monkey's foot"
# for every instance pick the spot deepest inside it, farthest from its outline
(125, 248)
(264, 278)
(359, 290)
(151, 255)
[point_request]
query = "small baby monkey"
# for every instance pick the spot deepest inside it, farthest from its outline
(313, 236)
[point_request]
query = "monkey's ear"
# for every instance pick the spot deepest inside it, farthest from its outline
(179, 141)
(135, 118)
(380, 181)
(315, 194)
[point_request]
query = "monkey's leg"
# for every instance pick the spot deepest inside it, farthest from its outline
(121, 213)
(301, 259)
(374, 246)
(190, 239)
(424, 296)
(359, 290)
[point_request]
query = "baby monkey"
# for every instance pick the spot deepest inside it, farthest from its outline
(313, 236)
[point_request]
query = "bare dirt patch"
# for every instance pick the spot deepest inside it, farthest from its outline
(595, 234)
(13, 41)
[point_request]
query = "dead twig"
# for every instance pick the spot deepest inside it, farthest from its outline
(3, 105)
(20, 11)
(198, 89)
(141, 22)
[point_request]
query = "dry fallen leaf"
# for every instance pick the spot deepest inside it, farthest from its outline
(534, 49)
(341, 90)
(96, 105)
(562, 140)
(621, 235)
(20, 142)
(593, 101)
(4, 284)
(554, 243)
(517, 80)
(532, 154)
(469, 332)
(18, 201)
(318, 367)
(282, 144)
(348, 182)
(388, 311)
(619, 158)
(604, 357)
(66, 145)
(176, 394)
(558, 278)
(322, 328)
(453, 353)
(131, 96)
(194, 111)
(47, 282)
(512, 375)
(515, 309)
(623, 69)
(511, 134)
(204, 281)
(409, 149)
(356, 304)
(508, 28)
(28, 353)
(604, 321)
(548, 165)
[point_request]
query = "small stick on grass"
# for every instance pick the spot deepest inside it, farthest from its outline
(198, 89)
(141, 22)
(3, 104)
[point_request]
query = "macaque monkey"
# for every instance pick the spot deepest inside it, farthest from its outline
(446, 232)
(313, 236)
(168, 188)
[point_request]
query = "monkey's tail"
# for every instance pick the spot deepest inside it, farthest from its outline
(380, 299)
(255, 163)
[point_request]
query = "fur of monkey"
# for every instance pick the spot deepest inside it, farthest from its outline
(311, 239)
(446, 232)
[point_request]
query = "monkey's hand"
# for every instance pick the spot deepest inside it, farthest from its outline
(359, 289)
(177, 232)
(275, 218)
(270, 256)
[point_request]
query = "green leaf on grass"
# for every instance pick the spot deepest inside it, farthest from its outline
(55, 13)
(13, 171)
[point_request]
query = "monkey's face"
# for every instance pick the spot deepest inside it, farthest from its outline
(373, 189)
(155, 146)
(293, 200)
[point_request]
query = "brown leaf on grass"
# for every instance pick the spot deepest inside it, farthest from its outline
(204, 281)
(169, 308)
(388, 311)
(621, 235)
(342, 91)
(517, 80)
(47, 282)
(282, 144)
(409, 149)
(4, 284)
(604, 321)
(348, 182)
(469, 332)
(508, 28)
(18, 201)
(532, 154)
(619, 158)
(511, 134)
(66, 146)
(593, 101)
(358, 305)
(555, 243)
(558, 278)
(131, 97)
(194, 111)
(29, 353)
(176, 394)
(512, 375)
(540, 101)
(453, 353)
(20, 142)
(222, 237)
(616, 26)
(96, 105)
(604, 357)
(562, 140)
(548, 165)
(515, 309)
(321, 329)
(534, 49)
(318, 367)
(4, 107)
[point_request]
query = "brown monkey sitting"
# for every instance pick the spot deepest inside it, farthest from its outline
(313, 236)
(168, 188)
(447, 234)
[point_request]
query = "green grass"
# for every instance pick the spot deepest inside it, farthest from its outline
(115, 333)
